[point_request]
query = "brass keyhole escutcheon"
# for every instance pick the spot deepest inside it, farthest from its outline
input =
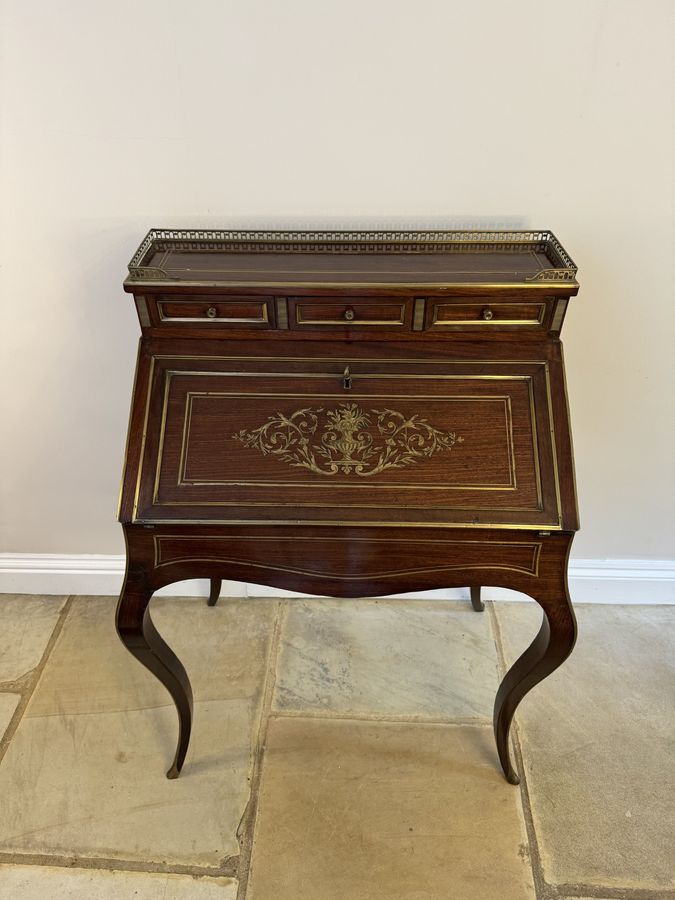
(349, 315)
(211, 312)
(488, 314)
(346, 379)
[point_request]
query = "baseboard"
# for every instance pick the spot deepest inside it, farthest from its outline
(644, 581)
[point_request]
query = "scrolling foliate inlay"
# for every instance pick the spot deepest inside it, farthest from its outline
(348, 439)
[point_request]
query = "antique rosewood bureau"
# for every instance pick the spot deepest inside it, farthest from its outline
(350, 414)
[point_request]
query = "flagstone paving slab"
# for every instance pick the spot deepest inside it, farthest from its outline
(84, 772)
(598, 741)
(8, 705)
(354, 809)
(387, 658)
(37, 882)
(26, 624)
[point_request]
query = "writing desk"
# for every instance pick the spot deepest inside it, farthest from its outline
(350, 414)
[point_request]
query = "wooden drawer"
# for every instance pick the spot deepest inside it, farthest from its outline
(392, 443)
(486, 314)
(214, 311)
(352, 313)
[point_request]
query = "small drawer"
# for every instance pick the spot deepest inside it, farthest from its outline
(216, 311)
(351, 312)
(485, 314)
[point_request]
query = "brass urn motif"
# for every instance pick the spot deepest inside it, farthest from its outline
(330, 441)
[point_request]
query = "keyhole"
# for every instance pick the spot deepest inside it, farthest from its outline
(346, 379)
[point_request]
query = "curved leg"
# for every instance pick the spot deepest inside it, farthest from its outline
(139, 635)
(476, 602)
(550, 648)
(216, 585)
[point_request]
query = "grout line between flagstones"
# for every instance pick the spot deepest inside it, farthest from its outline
(246, 828)
(227, 868)
(589, 892)
(460, 721)
(27, 683)
(540, 886)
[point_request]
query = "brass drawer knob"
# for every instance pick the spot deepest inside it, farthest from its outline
(349, 315)
(488, 314)
(211, 312)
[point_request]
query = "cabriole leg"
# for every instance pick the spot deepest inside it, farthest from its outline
(216, 585)
(476, 601)
(139, 635)
(550, 648)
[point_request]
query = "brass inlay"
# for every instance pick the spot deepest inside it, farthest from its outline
(533, 569)
(408, 360)
(418, 314)
(422, 286)
(554, 451)
(300, 320)
(144, 435)
(187, 421)
(488, 322)
(559, 313)
(282, 312)
(335, 522)
(257, 320)
(128, 440)
(535, 447)
(142, 307)
(342, 523)
(329, 441)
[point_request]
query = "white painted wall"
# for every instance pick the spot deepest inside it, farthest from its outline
(361, 113)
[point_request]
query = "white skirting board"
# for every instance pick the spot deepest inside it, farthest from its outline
(591, 580)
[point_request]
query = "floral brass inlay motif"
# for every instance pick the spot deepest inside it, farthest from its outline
(329, 441)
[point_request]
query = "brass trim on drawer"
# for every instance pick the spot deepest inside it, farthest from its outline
(490, 322)
(263, 319)
(351, 323)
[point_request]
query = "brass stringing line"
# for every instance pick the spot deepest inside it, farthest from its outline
(311, 537)
(537, 556)
(337, 375)
(355, 359)
(126, 446)
(533, 570)
(553, 445)
(510, 442)
(417, 286)
(143, 438)
(462, 398)
(309, 574)
(309, 505)
(535, 547)
(187, 419)
(162, 429)
(305, 523)
(535, 446)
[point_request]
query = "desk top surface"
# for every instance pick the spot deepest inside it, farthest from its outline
(285, 258)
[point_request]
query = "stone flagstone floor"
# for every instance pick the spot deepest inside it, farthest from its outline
(342, 750)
